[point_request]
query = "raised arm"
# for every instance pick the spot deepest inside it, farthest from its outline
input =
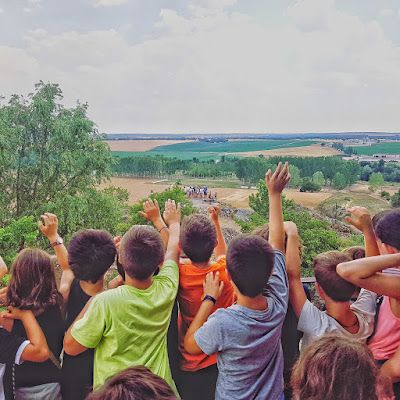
(50, 229)
(366, 273)
(391, 368)
(275, 184)
(3, 268)
(152, 213)
(220, 249)
(37, 350)
(362, 221)
(172, 217)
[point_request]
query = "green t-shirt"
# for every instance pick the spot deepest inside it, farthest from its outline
(128, 327)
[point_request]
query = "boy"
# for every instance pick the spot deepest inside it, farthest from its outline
(90, 254)
(247, 334)
(199, 238)
(128, 325)
(356, 320)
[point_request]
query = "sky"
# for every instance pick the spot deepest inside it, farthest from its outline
(210, 66)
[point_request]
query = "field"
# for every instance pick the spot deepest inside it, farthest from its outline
(173, 154)
(380, 148)
(139, 145)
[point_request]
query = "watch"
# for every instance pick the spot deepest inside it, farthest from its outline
(57, 242)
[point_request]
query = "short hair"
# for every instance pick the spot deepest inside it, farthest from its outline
(334, 286)
(134, 383)
(335, 367)
(33, 284)
(388, 229)
(90, 253)
(249, 261)
(141, 251)
(378, 216)
(354, 252)
(198, 237)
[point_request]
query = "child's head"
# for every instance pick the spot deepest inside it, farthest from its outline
(90, 253)
(134, 383)
(33, 283)
(388, 229)
(335, 367)
(378, 216)
(333, 285)
(250, 261)
(198, 237)
(354, 252)
(141, 252)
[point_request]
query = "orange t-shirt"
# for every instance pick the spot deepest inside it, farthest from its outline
(190, 293)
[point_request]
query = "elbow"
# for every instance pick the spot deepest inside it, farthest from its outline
(343, 271)
(191, 346)
(70, 345)
(43, 354)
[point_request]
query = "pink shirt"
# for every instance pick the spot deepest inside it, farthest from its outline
(387, 335)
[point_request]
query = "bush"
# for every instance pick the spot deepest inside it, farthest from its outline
(309, 186)
(385, 195)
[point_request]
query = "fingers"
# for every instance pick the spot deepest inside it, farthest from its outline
(221, 288)
(144, 215)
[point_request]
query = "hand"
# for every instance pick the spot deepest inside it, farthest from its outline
(172, 213)
(276, 182)
(117, 241)
(151, 210)
(214, 213)
(50, 226)
(211, 285)
(290, 228)
(362, 217)
(14, 313)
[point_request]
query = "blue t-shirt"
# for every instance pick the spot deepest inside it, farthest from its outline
(248, 342)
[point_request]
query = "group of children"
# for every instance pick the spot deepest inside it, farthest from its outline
(189, 318)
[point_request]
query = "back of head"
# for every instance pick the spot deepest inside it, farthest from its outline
(250, 261)
(354, 252)
(90, 253)
(33, 284)
(333, 285)
(134, 383)
(198, 237)
(378, 216)
(388, 229)
(141, 251)
(335, 367)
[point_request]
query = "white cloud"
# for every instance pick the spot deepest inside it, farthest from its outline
(107, 3)
(386, 12)
(1, 10)
(36, 2)
(27, 10)
(218, 4)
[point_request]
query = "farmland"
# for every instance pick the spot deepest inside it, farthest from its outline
(379, 148)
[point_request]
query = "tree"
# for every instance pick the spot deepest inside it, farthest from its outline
(295, 180)
(318, 178)
(47, 151)
(395, 200)
(339, 181)
(375, 181)
(309, 186)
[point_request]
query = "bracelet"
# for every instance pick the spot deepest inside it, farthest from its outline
(208, 297)
(164, 227)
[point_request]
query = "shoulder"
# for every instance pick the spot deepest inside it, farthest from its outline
(279, 258)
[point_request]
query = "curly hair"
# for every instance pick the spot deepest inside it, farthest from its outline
(33, 284)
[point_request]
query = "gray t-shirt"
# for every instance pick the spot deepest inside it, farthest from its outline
(248, 342)
(315, 323)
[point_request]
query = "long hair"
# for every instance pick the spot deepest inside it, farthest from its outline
(33, 283)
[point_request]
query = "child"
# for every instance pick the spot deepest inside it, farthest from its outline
(128, 325)
(134, 383)
(33, 287)
(199, 238)
(15, 350)
(354, 320)
(247, 334)
(333, 368)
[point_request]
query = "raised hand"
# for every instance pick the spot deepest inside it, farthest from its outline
(50, 226)
(151, 210)
(117, 241)
(172, 213)
(214, 213)
(211, 285)
(362, 218)
(277, 181)
(290, 228)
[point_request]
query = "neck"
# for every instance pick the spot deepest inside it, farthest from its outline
(141, 285)
(203, 265)
(255, 303)
(342, 314)
(92, 289)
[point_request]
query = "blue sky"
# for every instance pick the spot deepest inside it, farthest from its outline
(177, 66)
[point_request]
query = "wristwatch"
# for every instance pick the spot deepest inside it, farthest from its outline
(57, 242)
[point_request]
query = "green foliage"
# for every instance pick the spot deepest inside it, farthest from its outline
(176, 193)
(339, 181)
(318, 178)
(375, 181)
(309, 186)
(251, 170)
(385, 195)
(18, 234)
(395, 200)
(295, 180)
(379, 148)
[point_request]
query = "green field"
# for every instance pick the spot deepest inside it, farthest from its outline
(202, 156)
(379, 148)
(233, 146)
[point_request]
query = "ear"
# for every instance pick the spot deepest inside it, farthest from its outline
(388, 249)
(216, 244)
(179, 246)
(320, 290)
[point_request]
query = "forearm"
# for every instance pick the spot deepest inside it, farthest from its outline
(391, 369)
(276, 228)
(160, 225)
(371, 246)
(39, 349)
(293, 261)
(199, 320)
(173, 251)
(220, 249)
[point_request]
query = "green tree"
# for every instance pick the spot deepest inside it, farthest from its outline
(47, 151)
(375, 181)
(309, 186)
(295, 180)
(395, 200)
(339, 181)
(318, 178)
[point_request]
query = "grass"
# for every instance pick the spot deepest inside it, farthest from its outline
(203, 156)
(206, 182)
(379, 148)
(234, 146)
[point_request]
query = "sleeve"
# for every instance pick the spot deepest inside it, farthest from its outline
(366, 302)
(169, 274)
(9, 346)
(89, 330)
(312, 321)
(278, 285)
(209, 336)
(21, 349)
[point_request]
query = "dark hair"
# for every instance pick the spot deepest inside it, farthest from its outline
(141, 251)
(354, 252)
(378, 216)
(334, 286)
(33, 283)
(90, 253)
(198, 237)
(250, 261)
(388, 229)
(134, 383)
(335, 367)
